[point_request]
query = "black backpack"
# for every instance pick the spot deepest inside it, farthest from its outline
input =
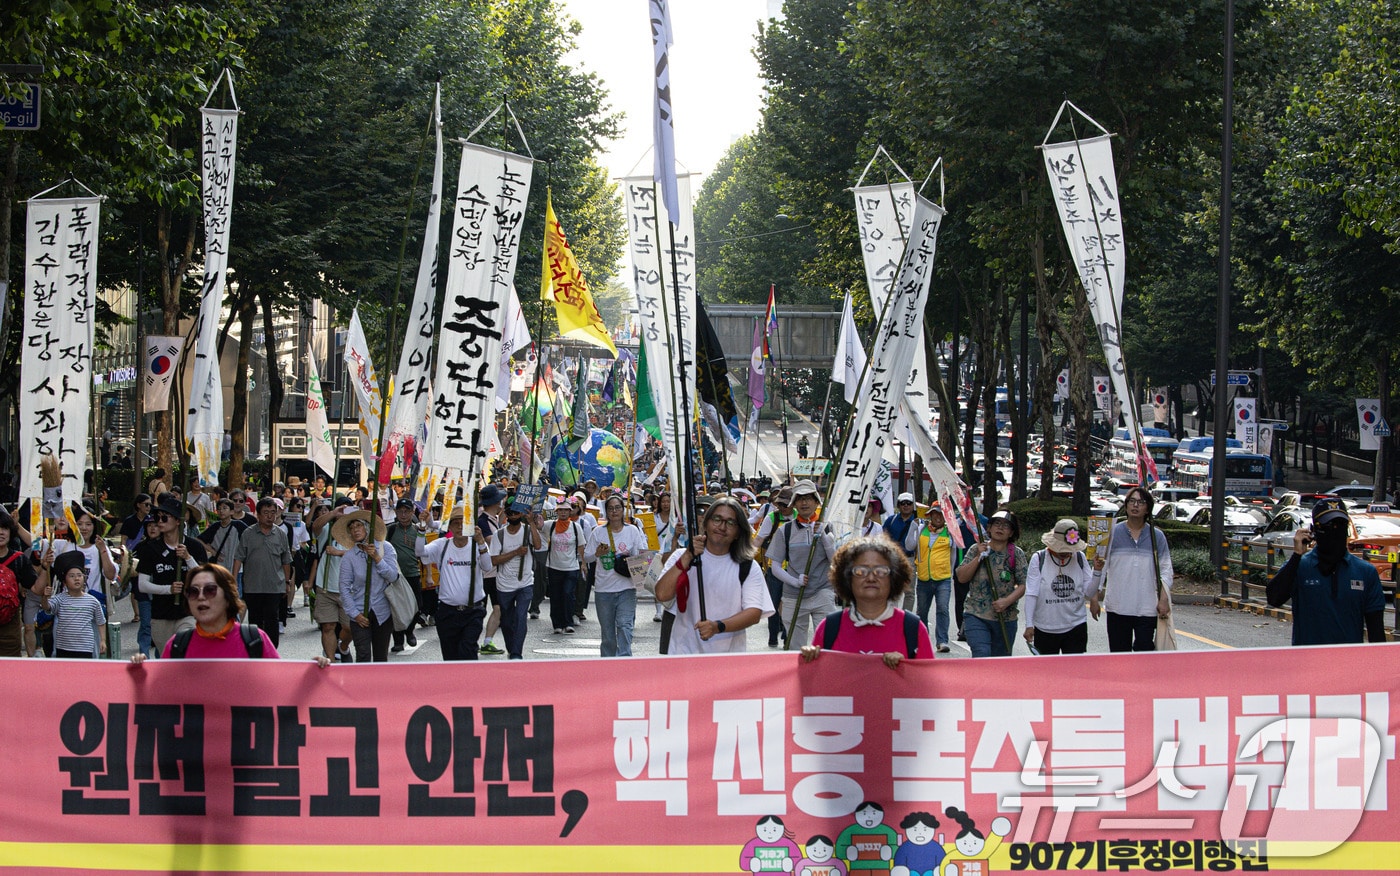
(911, 632)
(252, 641)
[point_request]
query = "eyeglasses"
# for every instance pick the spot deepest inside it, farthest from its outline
(208, 591)
(725, 522)
(1136, 501)
(881, 572)
(162, 517)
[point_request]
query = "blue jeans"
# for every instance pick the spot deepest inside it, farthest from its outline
(940, 592)
(143, 633)
(515, 605)
(989, 638)
(617, 613)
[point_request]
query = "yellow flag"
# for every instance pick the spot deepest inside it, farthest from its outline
(562, 283)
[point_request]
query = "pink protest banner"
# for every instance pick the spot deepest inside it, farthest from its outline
(1190, 761)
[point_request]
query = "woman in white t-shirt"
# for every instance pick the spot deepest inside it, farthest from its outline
(610, 545)
(717, 601)
(97, 557)
(567, 541)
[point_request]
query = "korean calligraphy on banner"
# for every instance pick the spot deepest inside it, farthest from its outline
(897, 335)
(882, 215)
(664, 330)
(1185, 761)
(205, 425)
(55, 385)
(319, 447)
(492, 188)
(364, 380)
(1086, 195)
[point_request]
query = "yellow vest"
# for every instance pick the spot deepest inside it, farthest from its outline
(934, 560)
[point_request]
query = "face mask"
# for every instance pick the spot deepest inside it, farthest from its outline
(1331, 546)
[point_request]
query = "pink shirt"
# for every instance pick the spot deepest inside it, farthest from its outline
(230, 647)
(872, 639)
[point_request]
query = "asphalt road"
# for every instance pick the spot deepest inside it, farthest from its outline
(1198, 628)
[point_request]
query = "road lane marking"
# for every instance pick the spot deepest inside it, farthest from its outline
(1203, 639)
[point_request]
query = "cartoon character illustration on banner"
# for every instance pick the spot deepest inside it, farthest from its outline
(772, 849)
(969, 852)
(821, 859)
(868, 844)
(918, 855)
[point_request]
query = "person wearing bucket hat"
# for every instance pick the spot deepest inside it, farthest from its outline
(1335, 594)
(933, 572)
(995, 570)
(801, 553)
(161, 563)
(80, 624)
(1058, 582)
(369, 566)
(1135, 580)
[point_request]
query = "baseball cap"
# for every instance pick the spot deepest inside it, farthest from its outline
(405, 503)
(1327, 510)
(904, 497)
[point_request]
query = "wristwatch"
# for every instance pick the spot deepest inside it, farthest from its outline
(720, 625)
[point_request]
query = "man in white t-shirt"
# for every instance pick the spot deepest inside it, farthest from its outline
(511, 556)
(461, 610)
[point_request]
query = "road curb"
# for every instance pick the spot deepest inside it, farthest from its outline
(1254, 607)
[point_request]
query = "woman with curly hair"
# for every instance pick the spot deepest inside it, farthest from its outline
(871, 576)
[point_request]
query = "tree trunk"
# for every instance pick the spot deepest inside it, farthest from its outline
(275, 390)
(239, 420)
(7, 200)
(172, 275)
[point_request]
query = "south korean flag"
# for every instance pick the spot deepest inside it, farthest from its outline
(162, 355)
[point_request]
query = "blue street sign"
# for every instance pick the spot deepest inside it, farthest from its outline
(21, 114)
(1382, 430)
(1234, 378)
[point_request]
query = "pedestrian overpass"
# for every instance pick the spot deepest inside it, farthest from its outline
(806, 337)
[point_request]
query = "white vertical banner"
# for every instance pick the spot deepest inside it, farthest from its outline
(882, 215)
(850, 354)
(55, 385)
(1246, 419)
(1103, 394)
(319, 448)
(1265, 443)
(663, 126)
(1062, 384)
(408, 406)
(492, 188)
(898, 335)
(1085, 188)
(667, 332)
(162, 355)
(359, 371)
(204, 425)
(515, 338)
(1368, 416)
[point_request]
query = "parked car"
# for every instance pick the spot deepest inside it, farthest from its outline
(1168, 493)
(1374, 535)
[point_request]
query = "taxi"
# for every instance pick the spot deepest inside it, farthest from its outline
(1375, 537)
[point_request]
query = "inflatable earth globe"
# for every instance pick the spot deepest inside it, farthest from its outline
(601, 457)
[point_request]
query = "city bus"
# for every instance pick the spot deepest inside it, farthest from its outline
(1246, 474)
(1120, 457)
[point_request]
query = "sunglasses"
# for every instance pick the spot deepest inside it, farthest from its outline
(208, 591)
(162, 517)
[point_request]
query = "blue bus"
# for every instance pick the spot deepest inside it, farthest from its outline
(1246, 474)
(1120, 457)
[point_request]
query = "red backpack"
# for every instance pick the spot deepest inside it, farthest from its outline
(9, 590)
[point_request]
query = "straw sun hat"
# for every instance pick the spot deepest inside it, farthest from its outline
(340, 530)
